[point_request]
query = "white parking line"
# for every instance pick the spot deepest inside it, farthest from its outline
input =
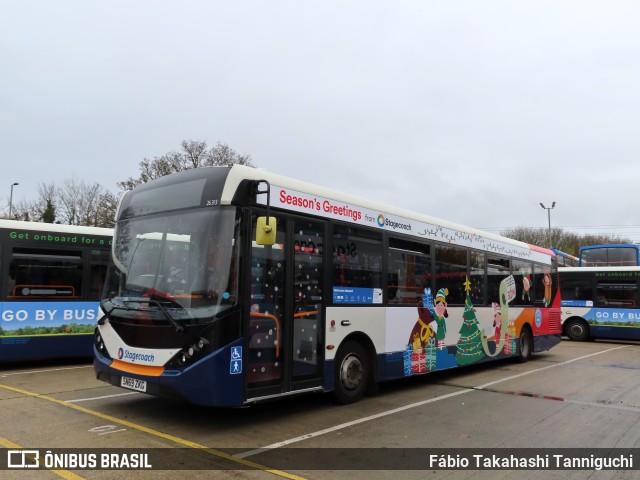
(100, 398)
(2, 375)
(413, 405)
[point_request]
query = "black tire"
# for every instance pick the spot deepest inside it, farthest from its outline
(525, 345)
(351, 373)
(577, 330)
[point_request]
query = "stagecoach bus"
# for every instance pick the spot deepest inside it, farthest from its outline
(51, 279)
(231, 285)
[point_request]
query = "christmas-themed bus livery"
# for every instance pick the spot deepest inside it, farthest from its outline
(51, 279)
(231, 285)
(601, 302)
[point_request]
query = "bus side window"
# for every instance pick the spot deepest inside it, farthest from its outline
(98, 270)
(522, 275)
(60, 271)
(409, 271)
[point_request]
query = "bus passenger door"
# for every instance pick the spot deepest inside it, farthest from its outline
(284, 333)
(265, 330)
(307, 352)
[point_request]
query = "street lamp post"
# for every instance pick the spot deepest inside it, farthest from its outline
(11, 198)
(548, 209)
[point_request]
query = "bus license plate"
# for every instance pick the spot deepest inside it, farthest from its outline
(133, 384)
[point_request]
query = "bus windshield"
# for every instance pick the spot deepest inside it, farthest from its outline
(185, 262)
(609, 255)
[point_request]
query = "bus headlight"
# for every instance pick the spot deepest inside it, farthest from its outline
(99, 343)
(182, 359)
(191, 353)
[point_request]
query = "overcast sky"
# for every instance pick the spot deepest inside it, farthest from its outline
(472, 111)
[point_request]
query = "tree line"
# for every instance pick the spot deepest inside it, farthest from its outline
(76, 202)
(561, 239)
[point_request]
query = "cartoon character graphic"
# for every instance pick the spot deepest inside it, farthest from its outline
(420, 353)
(497, 321)
(526, 286)
(423, 331)
(547, 283)
(440, 313)
(507, 293)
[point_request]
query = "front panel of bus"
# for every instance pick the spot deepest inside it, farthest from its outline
(195, 309)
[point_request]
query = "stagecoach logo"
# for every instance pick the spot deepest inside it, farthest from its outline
(538, 317)
(381, 220)
(134, 357)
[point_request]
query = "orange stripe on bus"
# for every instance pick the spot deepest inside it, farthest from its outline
(137, 369)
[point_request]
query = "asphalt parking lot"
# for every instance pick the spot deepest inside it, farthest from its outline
(578, 395)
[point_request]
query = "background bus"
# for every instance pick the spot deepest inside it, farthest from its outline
(347, 293)
(565, 259)
(600, 302)
(51, 279)
(610, 255)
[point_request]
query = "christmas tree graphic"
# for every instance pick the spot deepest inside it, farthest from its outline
(469, 348)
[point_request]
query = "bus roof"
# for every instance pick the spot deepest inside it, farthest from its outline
(611, 245)
(239, 173)
(55, 227)
(631, 268)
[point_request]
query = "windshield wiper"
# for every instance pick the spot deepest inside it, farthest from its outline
(179, 328)
(107, 314)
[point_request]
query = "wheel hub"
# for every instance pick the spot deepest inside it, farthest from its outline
(351, 372)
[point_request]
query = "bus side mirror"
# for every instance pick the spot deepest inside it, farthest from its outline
(266, 234)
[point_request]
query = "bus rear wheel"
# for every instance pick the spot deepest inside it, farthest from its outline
(577, 330)
(525, 345)
(351, 373)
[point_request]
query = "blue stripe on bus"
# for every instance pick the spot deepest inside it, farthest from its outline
(206, 382)
(18, 349)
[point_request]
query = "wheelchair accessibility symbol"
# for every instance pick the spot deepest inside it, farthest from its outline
(235, 364)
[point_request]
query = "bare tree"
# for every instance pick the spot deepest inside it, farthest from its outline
(23, 210)
(193, 154)
(106, 211)
(79, 202)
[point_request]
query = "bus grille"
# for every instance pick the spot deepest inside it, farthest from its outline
(554, 322)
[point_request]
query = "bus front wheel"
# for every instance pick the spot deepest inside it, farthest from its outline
(351, 373)
(525, 345)
(577, 330)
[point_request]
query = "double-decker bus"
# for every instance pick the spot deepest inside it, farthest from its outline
(600, 302)
(610, 255)
(565, 259)
(51, 280)
(231, 285)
